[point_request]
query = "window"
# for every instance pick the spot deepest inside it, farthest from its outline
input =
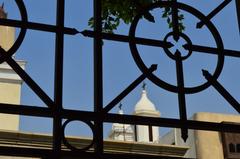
(231, 147)
(238, 148)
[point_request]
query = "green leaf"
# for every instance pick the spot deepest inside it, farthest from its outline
(116, 11)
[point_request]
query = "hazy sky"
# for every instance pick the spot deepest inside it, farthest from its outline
(119, 67)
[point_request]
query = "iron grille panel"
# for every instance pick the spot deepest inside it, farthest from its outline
(101, 113)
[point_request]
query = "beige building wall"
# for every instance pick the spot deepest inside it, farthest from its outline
(210, 143)
(203, 144)
(7, 37)
(10, 82)
(10, 94)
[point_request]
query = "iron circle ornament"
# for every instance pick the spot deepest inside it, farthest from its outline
(156, 80)
(24, 19)
(70, 146)
(171, 54)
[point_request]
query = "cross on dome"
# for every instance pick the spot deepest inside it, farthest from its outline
(120, 109)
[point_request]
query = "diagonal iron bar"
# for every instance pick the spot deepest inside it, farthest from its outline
(37, 26)
(231, 100)
(214, 12)
(181, 93)
(123, 38)
(29, 81)
(124, 93)
(211, 50)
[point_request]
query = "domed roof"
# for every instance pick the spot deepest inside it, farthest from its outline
(144, 103)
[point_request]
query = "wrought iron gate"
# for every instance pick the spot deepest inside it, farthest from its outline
(100, 115)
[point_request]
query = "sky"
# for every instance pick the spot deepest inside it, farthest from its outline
(119, 66)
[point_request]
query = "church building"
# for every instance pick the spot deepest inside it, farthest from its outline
(138, 133)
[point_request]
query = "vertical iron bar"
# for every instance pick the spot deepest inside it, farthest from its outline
(238, 13)
(150, 131)
(175, 21)
(58, 81)
(135, 133)
(98, 77)
(181, 93)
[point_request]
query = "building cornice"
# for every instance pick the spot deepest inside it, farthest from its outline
(8, 75)
(40, 141)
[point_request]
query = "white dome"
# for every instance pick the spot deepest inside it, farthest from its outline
(144, 103)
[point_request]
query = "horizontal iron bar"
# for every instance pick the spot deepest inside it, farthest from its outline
(211, 50)
(113, 118)
(26, 110)
(24, 152)
(124, 38)
(37, 26)
(173, 123)
(48, 153)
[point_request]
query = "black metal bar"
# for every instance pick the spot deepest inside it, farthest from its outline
(100, 115)
(123, 38)
(24, 152)
(113, 118)
(211, 50)
(29, 81)
(37, 26)
(135, 133)
(173, 123)
(175, 20)
(58, 81)
(231, 100)
(238, 13)
(98, 77)
(46, 112)
(124, 93)
(181, 93)
(214, 12)
(150, 131)
(26, 110)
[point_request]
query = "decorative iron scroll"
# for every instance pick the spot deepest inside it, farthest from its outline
(101, 113)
